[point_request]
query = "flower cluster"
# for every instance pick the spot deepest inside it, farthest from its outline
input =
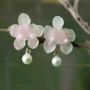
(24, 31)
(27, 32)
(57, 35)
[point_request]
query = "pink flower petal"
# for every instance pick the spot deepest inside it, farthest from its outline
(38, 29)
(60, 37)
(19, 44)
(13, 30)
(48, 32)
(19, 33)
(24, 31)
(33, 43)
(66, 48)
(70, 34)
(24, 19)
(49, 46)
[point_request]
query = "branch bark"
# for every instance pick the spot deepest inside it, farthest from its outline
(4, 30)
(73, 10)
(75, 7)
(85, 45)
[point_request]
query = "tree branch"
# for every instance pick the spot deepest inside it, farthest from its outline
(4, 30)
(73, 10)
(85, 45)
(75, 7)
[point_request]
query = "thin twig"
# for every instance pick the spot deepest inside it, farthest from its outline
(85, 45)
(75, 7)
(72, 10)
(4, 30)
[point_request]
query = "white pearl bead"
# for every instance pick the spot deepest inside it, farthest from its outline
(56, 61)
(26, 58)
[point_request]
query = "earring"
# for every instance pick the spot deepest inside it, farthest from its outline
(25, 31)
(57, 35)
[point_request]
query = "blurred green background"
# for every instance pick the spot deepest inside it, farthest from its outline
(73, 74)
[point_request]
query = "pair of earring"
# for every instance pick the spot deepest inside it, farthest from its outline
(29, 33)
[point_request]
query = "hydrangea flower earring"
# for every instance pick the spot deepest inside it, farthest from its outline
(57, 35)
(24, 31)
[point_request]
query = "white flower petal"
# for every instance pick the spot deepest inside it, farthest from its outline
(49, 46)
(19, 44)
(66, 48)
(70, 34)
(60, 37)
(24, 19)
(58, 22)
(38, 29)
(33, 43)
(32, 25)
(13, 30)
(47, 31)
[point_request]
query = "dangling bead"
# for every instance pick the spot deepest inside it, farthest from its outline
(56, 61)
(27, 58)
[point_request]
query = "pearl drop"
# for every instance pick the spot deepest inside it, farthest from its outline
(26, 58)
(56, 61)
